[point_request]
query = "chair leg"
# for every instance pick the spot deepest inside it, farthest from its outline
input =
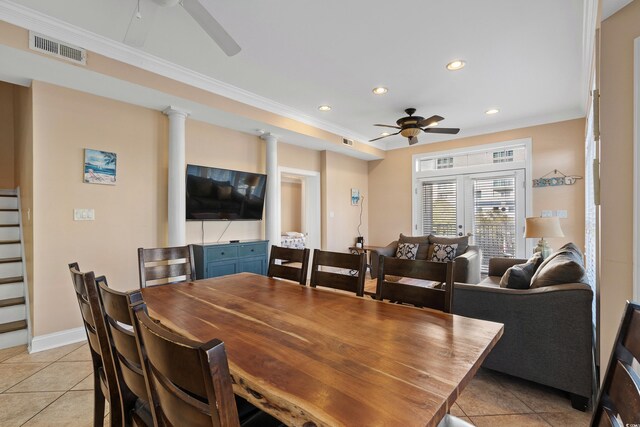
(98, 401)
(580, 403)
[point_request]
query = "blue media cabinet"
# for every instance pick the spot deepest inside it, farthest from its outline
(220, 259)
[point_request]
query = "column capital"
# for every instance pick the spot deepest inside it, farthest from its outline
(268, 136)
(176, 111)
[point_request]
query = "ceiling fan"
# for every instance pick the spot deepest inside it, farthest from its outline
(142, 20)
(411, 126)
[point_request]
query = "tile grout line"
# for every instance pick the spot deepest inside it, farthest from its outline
(52, 402)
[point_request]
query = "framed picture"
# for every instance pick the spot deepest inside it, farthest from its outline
(355, 196)
(99, 167)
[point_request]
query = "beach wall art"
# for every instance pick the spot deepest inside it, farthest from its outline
(99, 167)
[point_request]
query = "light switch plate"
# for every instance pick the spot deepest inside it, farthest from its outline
(561, 213)
(546, 214)
(84, 214)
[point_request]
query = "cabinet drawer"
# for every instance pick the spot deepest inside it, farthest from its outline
(251, 250)
(218, 254)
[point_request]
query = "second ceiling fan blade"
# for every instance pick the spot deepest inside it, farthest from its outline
(430, 120)
(212, 27)
(388, 126)
(140, 24)
(380, 137)
(451, 131)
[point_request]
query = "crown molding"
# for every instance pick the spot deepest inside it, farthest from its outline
(30, 19)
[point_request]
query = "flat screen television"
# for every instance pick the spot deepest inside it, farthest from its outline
(224, 195)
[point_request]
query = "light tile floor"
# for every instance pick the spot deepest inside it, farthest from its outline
(55, 388)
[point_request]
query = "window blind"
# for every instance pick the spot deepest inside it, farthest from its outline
(439, 208)
(494, 217)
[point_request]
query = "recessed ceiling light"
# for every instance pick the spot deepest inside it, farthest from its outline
(385, 134)
(380, 90)
(324, 108)
(456, 65)
(492, 111)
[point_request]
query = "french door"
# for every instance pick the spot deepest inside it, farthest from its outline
(489, 206)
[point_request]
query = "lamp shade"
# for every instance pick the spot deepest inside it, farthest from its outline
(543, 227)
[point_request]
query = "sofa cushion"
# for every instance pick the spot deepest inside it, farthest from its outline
(407, 250)
(443, 253)
(423, 241)
(564, 266)
(462, 242)
(519, 276)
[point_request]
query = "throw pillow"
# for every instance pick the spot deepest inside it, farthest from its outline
(462, 242)
(519, 276)
(564, 266)
(443, 253)
(407, 250)
(423, 241)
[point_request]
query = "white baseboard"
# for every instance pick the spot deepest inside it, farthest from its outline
(57, 339)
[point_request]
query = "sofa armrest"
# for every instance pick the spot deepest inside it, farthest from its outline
(548, 332)
(374, 255)
(467, 266)
(498, 266)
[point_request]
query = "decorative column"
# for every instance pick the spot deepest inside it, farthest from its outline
(176, 182)
(272, 206)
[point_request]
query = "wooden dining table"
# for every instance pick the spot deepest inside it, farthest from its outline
(312, 357)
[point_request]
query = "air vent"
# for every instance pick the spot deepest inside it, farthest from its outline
(348, 142)
(57, 48)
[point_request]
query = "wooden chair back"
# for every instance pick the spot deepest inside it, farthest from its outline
(439, 297)
(296, 274)
(352, 281)
(124, 350)
(189, 382)
(104, 376)
(160, 266)
(619, 398)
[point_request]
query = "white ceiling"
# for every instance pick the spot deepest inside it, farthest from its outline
(609, 7)
(526, 58)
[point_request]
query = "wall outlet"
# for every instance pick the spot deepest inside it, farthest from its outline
(332, 214)
(84, 214)
(546, 214)
(561, 213)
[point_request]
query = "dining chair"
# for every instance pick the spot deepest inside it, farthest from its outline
(334, 277)
(116, 316)
(618, 402)
(282, 271)
(189, 382)
(159, 266)
(439, 297)
(105, 383)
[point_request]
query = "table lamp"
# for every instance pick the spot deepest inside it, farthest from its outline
(543, 227)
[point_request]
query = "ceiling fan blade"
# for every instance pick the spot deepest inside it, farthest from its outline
(388, 126)
(140, 24)
(212, 27)
(430, 120)
(413, 140)
(451, 131)
(380, 137)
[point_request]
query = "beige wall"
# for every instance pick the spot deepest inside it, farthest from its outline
(339, 218)
(129, 215)
(7, 179)
(23, 132)
(291, 206)
(293, 156)
(616, 168)
(554, 146)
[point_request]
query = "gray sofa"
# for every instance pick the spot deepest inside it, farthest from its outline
(548, 332)
(467, 261)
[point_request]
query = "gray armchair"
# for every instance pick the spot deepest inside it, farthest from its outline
(466, 269)
(548, 331)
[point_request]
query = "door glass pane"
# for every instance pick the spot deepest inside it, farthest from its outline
(494, 217)
(439, 208)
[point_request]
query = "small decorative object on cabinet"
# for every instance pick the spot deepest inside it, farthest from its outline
(220, 259)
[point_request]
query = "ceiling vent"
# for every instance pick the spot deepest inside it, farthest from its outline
(348, 142)
(57, 48)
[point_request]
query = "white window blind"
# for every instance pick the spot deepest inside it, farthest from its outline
(494, 217)
(439, 208)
